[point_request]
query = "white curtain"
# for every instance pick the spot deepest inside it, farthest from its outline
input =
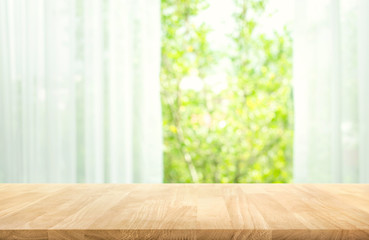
(79, 91)
(331, 91)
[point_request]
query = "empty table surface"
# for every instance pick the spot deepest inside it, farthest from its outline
(184, 211)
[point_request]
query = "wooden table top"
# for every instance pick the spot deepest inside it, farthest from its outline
(184, 211)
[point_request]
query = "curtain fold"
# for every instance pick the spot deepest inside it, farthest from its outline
(79, 91)
(331, 91)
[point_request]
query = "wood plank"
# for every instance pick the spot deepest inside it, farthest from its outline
(184, 211)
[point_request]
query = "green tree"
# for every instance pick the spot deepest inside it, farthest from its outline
(241, 133)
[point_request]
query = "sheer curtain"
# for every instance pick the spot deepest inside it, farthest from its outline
(79, 91)
(331, 91)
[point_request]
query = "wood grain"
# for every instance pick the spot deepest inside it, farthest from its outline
(184, 211)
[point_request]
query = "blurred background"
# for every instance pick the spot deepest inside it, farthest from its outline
(184, 91)
(226, 90)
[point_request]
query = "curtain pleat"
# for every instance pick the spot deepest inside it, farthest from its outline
(363, 89)
(331, 62)
(79, 91)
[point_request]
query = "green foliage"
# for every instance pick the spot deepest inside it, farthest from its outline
(242, 132)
